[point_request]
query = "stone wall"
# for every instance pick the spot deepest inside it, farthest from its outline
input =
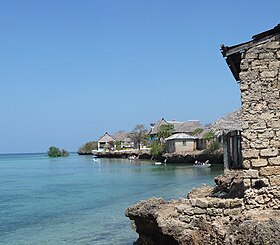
(260, 96)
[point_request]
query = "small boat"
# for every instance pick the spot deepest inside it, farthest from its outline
(94, 158)
(158, 163)
(131, 158)
(202, 164)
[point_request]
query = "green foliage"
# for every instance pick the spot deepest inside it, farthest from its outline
(208, 135)
(197, 131)
(56, 152)
(157, 149)
(118, 145)
(88, 147)
(214, 145)
(165, 131)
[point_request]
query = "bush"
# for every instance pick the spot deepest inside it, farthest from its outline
(56, 152)
(88, 147)
(197, 131)
(157, 149)
(208, 136)
(214, 145)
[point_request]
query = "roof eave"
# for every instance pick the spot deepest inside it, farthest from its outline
(233, 54)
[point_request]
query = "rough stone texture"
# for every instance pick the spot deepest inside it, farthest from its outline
(253, 219)
(260, 85)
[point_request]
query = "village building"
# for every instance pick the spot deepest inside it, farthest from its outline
(256, 64)
(228, 131)
(123, 141)
(181, 143)
(106, 142)
(178, 127)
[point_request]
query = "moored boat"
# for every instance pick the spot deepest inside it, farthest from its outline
(205, 164)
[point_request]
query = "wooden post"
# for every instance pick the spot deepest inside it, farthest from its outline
(225, 147)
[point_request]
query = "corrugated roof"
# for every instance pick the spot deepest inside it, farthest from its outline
(180, 136)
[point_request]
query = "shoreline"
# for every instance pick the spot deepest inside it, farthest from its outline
(190, 157)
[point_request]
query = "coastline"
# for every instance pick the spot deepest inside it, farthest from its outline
(191, 157)
(207, 217)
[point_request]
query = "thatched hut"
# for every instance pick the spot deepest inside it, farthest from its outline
(106, 142)
(178, 127)
(124, 140)
(229, 129)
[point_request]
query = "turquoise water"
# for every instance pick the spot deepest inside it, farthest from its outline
(76, 200)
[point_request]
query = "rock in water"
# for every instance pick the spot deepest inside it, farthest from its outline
(205, 220)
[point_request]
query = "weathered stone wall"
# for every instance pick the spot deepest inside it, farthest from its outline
(260, 96)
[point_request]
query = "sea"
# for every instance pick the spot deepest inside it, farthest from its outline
(77, 200)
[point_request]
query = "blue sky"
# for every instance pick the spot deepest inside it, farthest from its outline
(71, 70)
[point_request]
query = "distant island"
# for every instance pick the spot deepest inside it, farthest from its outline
(56, 152)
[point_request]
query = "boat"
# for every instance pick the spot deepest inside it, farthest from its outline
(158, 163)
(94, 158)
(131, 158)
(202, 164)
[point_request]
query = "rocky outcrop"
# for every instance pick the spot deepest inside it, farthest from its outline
(202, 156)
(204, 218)
(140, 154)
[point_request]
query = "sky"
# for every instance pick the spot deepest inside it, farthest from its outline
(71, 70)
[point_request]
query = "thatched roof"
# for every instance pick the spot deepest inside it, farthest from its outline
(188, 126)
(179, 127)
(202, 133)
(230, 122)
(106, 138)
(180, 136)
(121, 136)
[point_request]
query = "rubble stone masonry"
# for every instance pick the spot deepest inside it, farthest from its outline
(260, 97)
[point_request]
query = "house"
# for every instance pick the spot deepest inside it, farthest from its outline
(123, 140)
(228, 129)
(106, 143)
(256, 65)
(178, 127)
(180, 143)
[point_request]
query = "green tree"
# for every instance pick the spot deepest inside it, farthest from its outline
(197, 131)
(157, 149)
(212, 145)
(164, 132)
(118, 145)
(56, 152)
(209, 136)
(138, 135)
(88, 147)
(64, 153)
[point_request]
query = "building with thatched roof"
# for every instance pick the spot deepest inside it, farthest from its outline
(181, 143)
(123, 139)
(228, 128)
(106, 142)
(178, 127)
